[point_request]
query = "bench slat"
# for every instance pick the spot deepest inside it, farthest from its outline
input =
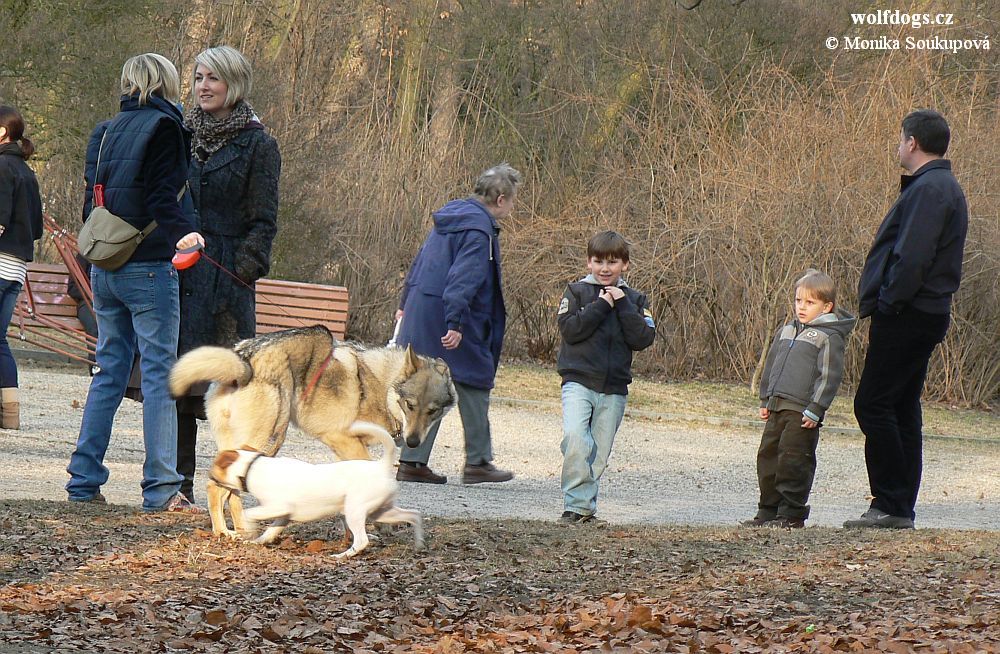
(281, 304)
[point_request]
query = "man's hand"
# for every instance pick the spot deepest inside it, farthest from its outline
(451, 340)
(399, 315)
(764, 413)
(808, 422)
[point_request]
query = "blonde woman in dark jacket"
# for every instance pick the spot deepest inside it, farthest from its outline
(234, 173)
(139, 161)
(20, 227)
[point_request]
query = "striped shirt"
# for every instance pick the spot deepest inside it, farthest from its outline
(12, 269)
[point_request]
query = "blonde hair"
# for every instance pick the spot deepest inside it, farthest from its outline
(231, 67)
(501, 179)
(819, 285)
(151, 74)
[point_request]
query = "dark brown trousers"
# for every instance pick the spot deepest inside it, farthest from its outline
(786, 465)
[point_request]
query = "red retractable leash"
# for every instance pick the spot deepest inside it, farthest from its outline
(184, 259)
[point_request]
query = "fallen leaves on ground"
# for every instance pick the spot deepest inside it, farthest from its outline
(106, 578)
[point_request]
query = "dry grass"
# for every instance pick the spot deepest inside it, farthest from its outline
(705, 401)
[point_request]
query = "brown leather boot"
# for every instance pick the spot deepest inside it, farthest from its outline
(10, 409)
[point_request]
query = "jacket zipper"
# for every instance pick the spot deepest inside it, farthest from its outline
(788, 352)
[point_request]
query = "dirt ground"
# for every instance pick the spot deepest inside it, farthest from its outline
(91, 578)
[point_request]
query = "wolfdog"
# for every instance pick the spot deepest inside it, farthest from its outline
(324, 387)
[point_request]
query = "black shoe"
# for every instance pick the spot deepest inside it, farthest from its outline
(485, 473)
(786, 523)
(877, 519)
(419, 474)
(572, 518)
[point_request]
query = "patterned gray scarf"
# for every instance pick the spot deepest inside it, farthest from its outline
(209, 134)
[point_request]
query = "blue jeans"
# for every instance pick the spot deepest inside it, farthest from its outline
(137, 304)
(590, 421)
(8, 298)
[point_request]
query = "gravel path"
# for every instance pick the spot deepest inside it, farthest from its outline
(659, 473)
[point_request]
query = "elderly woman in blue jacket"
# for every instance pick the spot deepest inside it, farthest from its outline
(452, 308)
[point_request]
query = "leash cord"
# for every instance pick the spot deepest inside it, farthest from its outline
(262, 296)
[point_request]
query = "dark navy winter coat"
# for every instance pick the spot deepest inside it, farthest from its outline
(143, 166)
(454, 283)
(236, 195)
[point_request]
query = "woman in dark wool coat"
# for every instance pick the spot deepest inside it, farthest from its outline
(234, 173)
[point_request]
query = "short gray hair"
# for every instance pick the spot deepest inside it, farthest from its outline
(151, 74)
(231, 67)
(501, 179)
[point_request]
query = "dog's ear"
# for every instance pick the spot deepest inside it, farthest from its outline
(226, 458)
(249, 448)
(412, 360)
(441, 367)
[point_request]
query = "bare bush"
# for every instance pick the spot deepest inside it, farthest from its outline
(725, 142)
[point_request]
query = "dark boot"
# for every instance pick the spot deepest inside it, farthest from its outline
(187, 440)
(485, 473)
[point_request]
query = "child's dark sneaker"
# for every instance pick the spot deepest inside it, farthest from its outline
(96, 498)
(756, 521)
(877, 519)
(572, 517)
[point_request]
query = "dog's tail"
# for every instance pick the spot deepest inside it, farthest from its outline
(208, 363)
(379, 434)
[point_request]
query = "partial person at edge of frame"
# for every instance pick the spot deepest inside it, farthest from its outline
(20, 227)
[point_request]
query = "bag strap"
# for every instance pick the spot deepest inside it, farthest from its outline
(98, 188)
(97, 169)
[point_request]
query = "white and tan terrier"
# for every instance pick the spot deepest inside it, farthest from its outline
(290, 490)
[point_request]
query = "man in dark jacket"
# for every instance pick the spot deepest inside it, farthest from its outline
(913, 269)
(452, 307)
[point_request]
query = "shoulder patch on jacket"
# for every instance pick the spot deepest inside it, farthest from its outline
(647, 315)
(563, 306)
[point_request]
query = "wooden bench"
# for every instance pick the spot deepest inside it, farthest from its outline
(53, 324)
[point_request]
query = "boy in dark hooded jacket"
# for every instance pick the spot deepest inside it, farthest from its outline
(602, 321)
(804, 367)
